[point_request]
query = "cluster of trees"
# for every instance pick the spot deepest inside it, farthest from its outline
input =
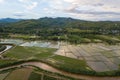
(69, 29)
(2, 47)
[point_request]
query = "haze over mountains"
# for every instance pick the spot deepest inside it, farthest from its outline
(10, 20)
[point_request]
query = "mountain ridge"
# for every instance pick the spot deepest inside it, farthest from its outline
(66, 18)
(9, 20)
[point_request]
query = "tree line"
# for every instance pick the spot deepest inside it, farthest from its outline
(69, 29)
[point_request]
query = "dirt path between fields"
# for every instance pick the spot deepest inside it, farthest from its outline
(52, 69)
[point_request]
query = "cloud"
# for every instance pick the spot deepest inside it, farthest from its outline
(32, 5)
(86, 9)
(28, 4)
(19, 14)
(83, 2)
(70, 1)
(65, 4)
(95, 17)
(1, 1)
(25, 14)
(48, 11)
(82, 9)
(92, 12)
(99, 4)
(23, 1)
(92, 9)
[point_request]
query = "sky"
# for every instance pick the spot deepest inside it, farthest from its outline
(93, 10)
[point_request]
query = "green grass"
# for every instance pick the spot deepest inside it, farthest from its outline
(108, 39)
(19, 74)
(49, 78)
(6, 62)
(21, 36)
(34, 76)
(69, 64)
(53, 74)
(20, 52)
(46, 55)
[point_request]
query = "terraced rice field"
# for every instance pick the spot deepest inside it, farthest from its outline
(100, 57)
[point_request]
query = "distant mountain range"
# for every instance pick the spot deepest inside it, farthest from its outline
(61, 19)
(59, 22)
(59, 26)
(9, 20)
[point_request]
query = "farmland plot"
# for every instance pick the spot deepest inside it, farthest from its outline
(90, 58)
(3, 75)
(60, 52)
(74, 51)
(102, 58)
(88, 47)
(82, 52)
(111, 65)
(96, 47)
(115, 47)
(115, 60)
(99, 57)
(72, 56)
(19, 74)
(108, 54)
(117, 52)
(98, 66)
(104, 48)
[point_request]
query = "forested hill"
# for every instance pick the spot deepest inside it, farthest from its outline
(9, 20)
(46, 22)
(43, 22)
(73, 30)
(59, 22)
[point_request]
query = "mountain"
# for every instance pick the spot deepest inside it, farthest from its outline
(45, 22)
(59, 22)
(52, 28)
(9, 20)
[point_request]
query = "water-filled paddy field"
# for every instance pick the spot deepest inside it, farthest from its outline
(20, 42)
(99, 57)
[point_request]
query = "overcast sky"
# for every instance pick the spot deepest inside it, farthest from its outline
(80, 9)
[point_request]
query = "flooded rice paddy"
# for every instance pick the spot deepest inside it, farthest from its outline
(100, 57)
(12, 41)
(19, 42)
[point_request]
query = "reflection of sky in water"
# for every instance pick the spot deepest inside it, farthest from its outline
(51, 44)
(12, 41)
(41, 44)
